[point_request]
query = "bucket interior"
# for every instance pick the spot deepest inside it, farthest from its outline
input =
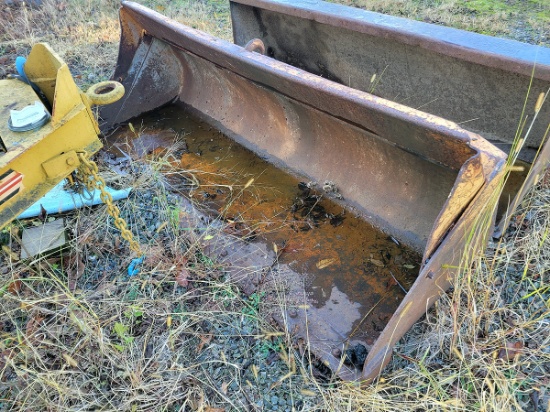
(339, 271)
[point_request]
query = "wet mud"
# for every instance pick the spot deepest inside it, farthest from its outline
(354, 275)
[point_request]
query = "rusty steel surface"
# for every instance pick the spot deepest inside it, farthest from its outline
(417, 177)
(475, 80)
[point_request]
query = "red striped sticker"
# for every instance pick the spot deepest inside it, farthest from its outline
(10, 184)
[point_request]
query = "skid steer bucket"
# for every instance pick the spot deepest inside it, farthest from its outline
(422, 180)
(477, 81)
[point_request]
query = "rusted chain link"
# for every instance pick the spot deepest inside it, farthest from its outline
(92, 180)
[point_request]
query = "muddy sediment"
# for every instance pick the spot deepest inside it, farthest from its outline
(342, 276)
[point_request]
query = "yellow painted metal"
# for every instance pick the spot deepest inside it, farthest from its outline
(42, 157)
(61, 165)
(105, 93)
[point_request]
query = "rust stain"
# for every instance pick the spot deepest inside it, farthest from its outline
(347, 264)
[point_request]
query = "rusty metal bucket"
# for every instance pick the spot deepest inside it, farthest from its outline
(477, 81)
(421, 179)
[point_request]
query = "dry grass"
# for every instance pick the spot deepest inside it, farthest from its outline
(85, 33)
(521, 20)
(78, 334)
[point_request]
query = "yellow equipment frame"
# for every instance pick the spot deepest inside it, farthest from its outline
(33, 162)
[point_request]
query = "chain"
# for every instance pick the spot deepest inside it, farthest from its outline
(92, 180)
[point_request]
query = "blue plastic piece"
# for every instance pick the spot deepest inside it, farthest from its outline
(59, 200)
(20, 67)
(133, 268)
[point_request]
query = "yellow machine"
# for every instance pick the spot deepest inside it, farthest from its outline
(46, 125)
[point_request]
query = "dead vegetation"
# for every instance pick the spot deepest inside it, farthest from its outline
(78, 333)
(526, 21)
